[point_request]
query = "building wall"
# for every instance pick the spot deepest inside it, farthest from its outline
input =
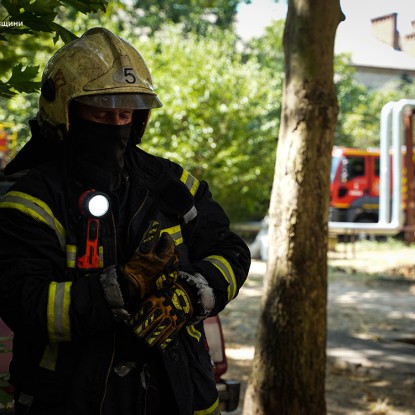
(398, 61)
(377, 78)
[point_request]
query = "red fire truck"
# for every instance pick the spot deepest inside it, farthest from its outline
(3, 148)
(7, 143)
(355, 185)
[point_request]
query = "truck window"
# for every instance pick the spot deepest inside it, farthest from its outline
(334, 165)
(377, 167)
(355, 167)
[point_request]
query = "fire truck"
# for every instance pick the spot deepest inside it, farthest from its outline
(354, 185)
(355, 182)
(8, 138)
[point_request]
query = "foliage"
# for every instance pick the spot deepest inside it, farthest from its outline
(268, 48)
(354, 119)
(220, 115)
(23, 20)
(194, 15)
(222, 99)
(221, 112)
(29, 50)
(21, 80)
(360, 107)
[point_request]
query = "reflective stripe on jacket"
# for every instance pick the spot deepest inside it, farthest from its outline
(73, 324)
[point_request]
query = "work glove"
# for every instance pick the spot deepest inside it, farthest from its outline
(162, 315)
(189, 300)
(153, 266)
(113, 294)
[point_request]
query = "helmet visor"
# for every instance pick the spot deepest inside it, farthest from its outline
(122, 101)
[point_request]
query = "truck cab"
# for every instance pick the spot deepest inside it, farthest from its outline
(8, 140)
(354, 188)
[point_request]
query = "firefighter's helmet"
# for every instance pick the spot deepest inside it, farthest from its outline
(98, 69)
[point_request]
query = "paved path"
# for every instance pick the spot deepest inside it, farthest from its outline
(371, 326)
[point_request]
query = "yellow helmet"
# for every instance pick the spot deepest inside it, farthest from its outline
(98, 69)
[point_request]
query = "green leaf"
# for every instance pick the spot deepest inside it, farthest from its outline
(63, 33)
(13, 6)
(22, 79)
(5, 32)
(5, 90)
(86, 6)
(38, 23)
(37, 15)
(42, 7)
(21, 10)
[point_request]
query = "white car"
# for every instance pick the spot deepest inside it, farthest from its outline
(259, 247)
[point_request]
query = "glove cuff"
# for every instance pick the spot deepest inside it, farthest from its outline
(113, 294)
(203, 292)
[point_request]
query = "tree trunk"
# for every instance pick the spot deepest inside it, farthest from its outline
(288, 375)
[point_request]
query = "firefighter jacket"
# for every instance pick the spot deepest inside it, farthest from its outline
(65, 335)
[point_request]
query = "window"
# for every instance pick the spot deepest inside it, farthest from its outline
(355, 167)
(377, 166)
(335, 161)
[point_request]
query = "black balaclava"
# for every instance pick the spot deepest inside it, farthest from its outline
(102, 145)
(97, 152)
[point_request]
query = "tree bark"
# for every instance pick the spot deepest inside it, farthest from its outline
(288, 375)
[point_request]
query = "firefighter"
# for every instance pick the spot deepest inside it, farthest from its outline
(110, 258)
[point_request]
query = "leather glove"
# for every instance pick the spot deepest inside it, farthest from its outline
(162, 315)
(153, 266)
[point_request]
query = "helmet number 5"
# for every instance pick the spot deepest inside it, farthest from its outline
(129, 76)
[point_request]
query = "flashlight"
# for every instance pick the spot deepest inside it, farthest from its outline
(94, 205)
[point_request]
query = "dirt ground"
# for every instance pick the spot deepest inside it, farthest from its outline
(371, 295)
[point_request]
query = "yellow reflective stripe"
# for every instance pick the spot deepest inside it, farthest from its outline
(193, 332)
(59, 327)
(71, 251)
(213, 410)
(50, 356)
(36, 209)
(101, 256)
(71, 256)
(175, 232)
(226, 270)
(190, 181)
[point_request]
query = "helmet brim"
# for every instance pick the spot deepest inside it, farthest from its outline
(121, 101)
